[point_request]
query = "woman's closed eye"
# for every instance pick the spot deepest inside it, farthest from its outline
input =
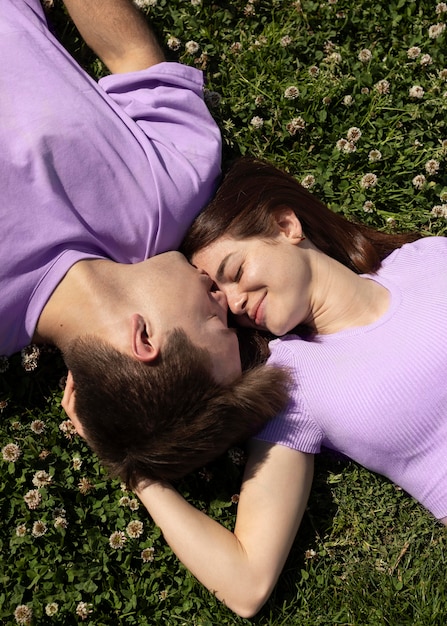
(238, 274)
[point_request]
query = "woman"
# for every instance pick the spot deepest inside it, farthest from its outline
(369, 361)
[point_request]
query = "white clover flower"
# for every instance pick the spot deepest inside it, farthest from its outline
(365, 55)
(124, 501)
(364, 90)
(30, 356)
(23, 614)
(249, 10)
(383, 87)
(432, 166)
(60, 522)
(144, 4)
(416, 92)
(353, 134)
(310, 554)
(51, 608)
(117, 540)
(368, 181)
(374, 155)
(259, 100)
(37, 426)
(426, 60)
(11, 452)
(308, 181)
(349, 147)
(326, 100)
(313, 71)
(285, 41)
(77, 463)
(32, 498)
(436, 30)
(59, 511)
(440, 210)
(340, 145)
(258, 43)
(173, 43)
(257, 122)
(343, 145)
(413, 52)
(85, 485)
(419, 181)
(68, 428)
(348, 101)
(134, 529)
(334, 57)
(368, 206)
(41, 478)
(196, 3)
(292, 92)
(295, 125)
(192, 47)
(442, 74)
(39, 529)
(21, 530)
(83, 610)
(134, 504)
(147, 555)
(236, 47)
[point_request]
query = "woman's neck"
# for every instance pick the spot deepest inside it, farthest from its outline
(343, 299)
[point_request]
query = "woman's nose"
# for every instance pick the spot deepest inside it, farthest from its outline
(237, 302)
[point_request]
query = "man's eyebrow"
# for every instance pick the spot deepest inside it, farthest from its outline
(221, 269)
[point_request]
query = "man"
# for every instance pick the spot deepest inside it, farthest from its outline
(111, 171)
(96, 180)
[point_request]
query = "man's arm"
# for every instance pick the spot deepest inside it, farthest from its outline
(117, 32)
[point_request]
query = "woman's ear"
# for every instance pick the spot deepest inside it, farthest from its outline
(289, 225)
(144, 348)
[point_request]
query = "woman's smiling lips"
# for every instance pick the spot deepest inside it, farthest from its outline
(257, 314)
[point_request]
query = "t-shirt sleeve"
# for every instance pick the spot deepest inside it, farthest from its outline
(293, 427)
(167, 102)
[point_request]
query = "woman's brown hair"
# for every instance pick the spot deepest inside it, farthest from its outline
(253, 191)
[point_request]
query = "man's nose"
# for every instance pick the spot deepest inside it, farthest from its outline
(220, 298)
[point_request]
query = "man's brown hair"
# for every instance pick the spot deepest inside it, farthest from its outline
(163, 420)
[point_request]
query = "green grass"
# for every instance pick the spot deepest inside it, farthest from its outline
(366, 554)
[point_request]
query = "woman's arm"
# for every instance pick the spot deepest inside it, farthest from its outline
(241, 568)
(117, 32)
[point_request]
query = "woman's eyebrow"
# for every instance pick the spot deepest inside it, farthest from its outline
(221, 269)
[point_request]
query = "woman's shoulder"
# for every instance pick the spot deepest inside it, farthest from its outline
(421, 250)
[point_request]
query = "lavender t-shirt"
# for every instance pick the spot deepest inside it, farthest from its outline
(117, 170)
(378, 393)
